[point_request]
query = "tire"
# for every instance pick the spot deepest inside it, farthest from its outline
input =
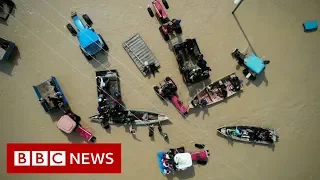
(87, 20)
(87, 57)
(166, 37)
(105, 46)
(165, 3)
(150, 12)
(178, 30)
(93, 139)
(71, 30)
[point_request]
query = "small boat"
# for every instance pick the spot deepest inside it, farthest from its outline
(134, 117)
(250, 134)
(217, 91)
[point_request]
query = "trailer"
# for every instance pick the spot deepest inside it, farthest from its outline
(141, 55)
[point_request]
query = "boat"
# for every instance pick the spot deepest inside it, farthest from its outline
(134, 117)
(251, 134)
(217, 91)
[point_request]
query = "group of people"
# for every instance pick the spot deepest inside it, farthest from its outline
(168, 160)
(261, 135)
(196, 71)
(220, 89)
(56, 98)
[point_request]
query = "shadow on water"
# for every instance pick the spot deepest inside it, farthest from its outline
(100, 61)
(197, 112)
(231, 142)
(186, 174)
(7, 66)
(260, 78)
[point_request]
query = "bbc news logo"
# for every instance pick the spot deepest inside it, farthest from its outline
(63, 158)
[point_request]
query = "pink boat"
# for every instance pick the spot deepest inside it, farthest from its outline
(67, 125)
(168, 90)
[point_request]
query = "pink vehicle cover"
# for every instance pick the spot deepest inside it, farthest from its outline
(199, 155)
(175, 100)
(66, 124)
(84, 133)
(158, 6)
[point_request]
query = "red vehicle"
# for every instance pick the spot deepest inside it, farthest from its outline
(68, 124)
(200, 155)
(167, 27)
(168, 90)
(161, 13)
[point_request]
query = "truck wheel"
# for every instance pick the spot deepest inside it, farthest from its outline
(71, 30)
(150, 12)
(166, 37)
(93, 139)
(178, 30)
(165, 3)
(87, 20)
(88, 57)
(105, 46)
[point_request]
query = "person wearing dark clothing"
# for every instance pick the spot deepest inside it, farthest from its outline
(151, 130)
(57, 102)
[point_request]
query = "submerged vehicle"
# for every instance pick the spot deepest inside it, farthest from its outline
(217, 91)
(250, 134)
(6, 49)
(91, 43)
(167, 27)
(253, 64)
(178, 159)
(68, 125)
(133, 117)
(168, 90)
(50, 95)
(192, 66)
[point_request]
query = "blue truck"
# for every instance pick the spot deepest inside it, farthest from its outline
(91, 43)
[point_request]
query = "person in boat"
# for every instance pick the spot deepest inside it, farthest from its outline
(202, 63)
(238, 132)
(222, 89)
(236, 83)
(203, 102)
(189, 45)
(57, 102)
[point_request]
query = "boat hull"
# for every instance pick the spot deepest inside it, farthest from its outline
(211, 95)
(141, 118)
(250, 134)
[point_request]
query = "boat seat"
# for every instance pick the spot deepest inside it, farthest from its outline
(310, 26)
(255, 64)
